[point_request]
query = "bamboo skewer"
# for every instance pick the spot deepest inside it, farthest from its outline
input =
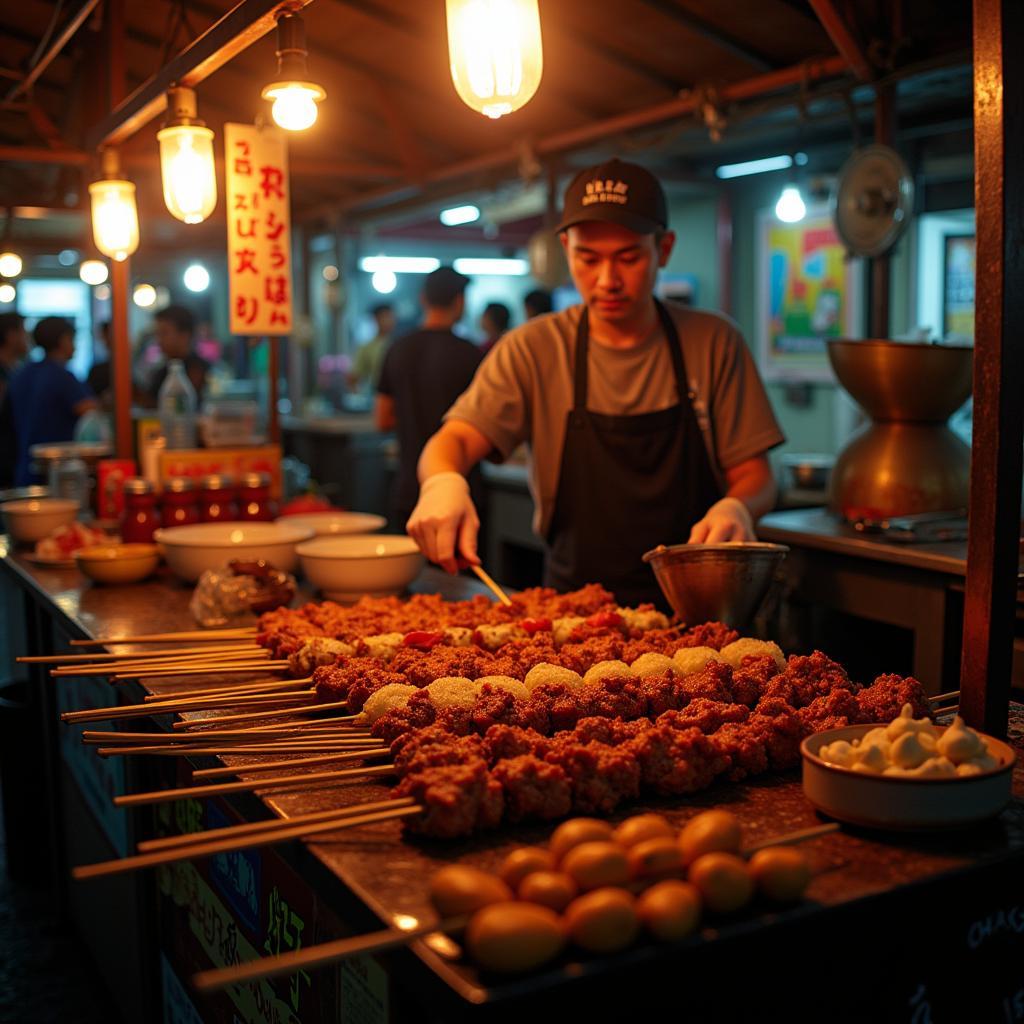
(91, 737)
(225, 771)
(270, 714)
(175, 707)
(491, 585)
(248, 750)
(265, 838)
(221, 670)
(194, 792)
(186, 636)
(218, 978)
(61, 659)
(248, 828)
(388, 938)
(135, 669)
(230, 689)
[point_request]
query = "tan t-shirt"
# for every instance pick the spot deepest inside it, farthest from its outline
(524, 389)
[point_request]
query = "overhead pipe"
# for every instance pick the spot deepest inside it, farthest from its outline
(575, 138)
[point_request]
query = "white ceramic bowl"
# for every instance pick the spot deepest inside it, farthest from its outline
(32, 519)
(347, 568)
(337, 524)
(901, 804)
(191, 550)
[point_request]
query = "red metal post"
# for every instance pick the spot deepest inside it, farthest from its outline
(992, 543)
(120, 274)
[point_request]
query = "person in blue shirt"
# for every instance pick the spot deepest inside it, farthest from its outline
(46, 397)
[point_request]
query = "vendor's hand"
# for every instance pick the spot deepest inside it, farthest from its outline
(726, 520)
(444, 522)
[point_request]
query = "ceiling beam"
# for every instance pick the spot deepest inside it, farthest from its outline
(299, 167)
(843, 38)
(63, 38)
(722, 39)
(596, 131)
(242, 26)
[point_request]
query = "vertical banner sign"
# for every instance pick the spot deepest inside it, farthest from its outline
(259, 230)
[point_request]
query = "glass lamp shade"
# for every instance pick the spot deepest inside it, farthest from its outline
(115, 222)
(495, 51)
(186, 166)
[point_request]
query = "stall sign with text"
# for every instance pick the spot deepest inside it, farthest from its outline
(259, 230)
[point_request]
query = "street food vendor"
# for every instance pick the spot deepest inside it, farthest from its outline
(647, 422)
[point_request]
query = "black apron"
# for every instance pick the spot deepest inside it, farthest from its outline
(626, 484)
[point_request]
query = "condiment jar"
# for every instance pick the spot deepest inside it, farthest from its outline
(217, 499)
(141, 516)
(180, 507)
(254, 501)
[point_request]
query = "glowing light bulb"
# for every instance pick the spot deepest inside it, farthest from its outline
(7, 293)
(93, 271)
(115, 222)
(495, 52)
(196, 278)
(10, 264)
(144, 295)
(791, 208)
(295, 104)
(384, 281)
(186, 166)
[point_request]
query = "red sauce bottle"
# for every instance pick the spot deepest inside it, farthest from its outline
(180, 507)
(217, 499)
(255, 504)
(141, 517)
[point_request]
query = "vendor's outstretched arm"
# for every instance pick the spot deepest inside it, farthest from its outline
(444, 522)
(750, 493)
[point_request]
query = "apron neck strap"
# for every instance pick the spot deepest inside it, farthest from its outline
(668, 328)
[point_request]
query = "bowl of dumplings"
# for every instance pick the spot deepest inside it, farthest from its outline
(907, 775)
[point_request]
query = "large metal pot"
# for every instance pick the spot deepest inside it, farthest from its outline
(898, 381)
(907, 461)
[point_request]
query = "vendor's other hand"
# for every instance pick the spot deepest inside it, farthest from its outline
(444, 522)
(726, 520)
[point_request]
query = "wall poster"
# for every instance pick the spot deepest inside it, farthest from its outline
(807, 292)
(958, 288)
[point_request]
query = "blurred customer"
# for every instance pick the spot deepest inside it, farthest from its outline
(494, 323)
(537, 303)
(175, 334)
(370, 358)
(13, 349)
(423, 373)
(47, 399)
(100, 379)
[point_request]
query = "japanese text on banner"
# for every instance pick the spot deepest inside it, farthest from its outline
(259, 230)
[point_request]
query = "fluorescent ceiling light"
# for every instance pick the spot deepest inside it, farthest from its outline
(769, 163)
(399, 264)
(460, 215)
(483, 265)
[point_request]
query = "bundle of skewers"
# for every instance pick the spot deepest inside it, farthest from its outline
(471, 754)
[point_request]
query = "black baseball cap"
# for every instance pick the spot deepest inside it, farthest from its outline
(443, 286)
(616, 192)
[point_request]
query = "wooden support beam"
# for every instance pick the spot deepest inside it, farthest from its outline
(595, 131)
(885, 135)
(42, 155)
(994, 522)
(843, 38)
(59, 42)
(242, 26)
(712, 33)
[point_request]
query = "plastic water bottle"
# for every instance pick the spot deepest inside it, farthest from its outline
(176, 404)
